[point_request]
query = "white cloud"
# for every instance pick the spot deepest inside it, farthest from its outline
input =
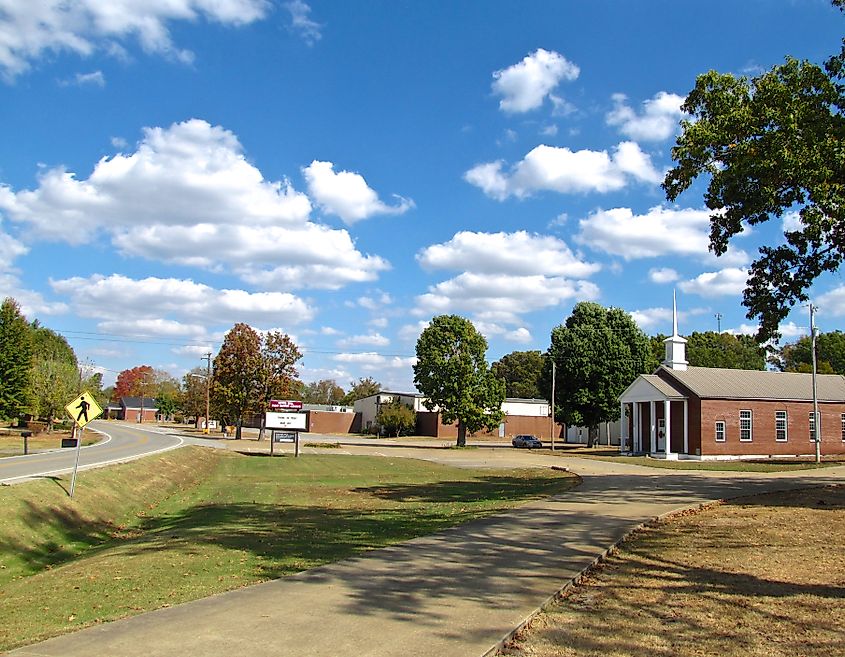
(194, 350)
(506, 296)
(791, 222)
(522, 335)
(328, 330)
(411, 332)
(163, 302)
(559, 169)
(659, 232)
(95, 78)
(503, 276)
(346, 194)
(188, 195)
(832, 302)
(663, 275)
(730, 280)
(658, 120)
(375, 302)
(32, 303)
(549, 130)
(301, 22)
(10, 248)
(30, 30)
(378, 322)
(648, 318)
(518, 253)
(523, 86)
(370, 340)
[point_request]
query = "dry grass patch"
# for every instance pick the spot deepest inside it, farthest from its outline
(760, 576)
(11, 443)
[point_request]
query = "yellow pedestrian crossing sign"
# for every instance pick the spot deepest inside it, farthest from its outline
(83, 409)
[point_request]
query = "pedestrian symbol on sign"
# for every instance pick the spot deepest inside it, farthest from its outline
(83, 409)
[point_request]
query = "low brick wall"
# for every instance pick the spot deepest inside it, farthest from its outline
(330, 422)
(430, 424)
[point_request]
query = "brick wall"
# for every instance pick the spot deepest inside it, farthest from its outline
(430, 424)
(330, 422)
(763, 427)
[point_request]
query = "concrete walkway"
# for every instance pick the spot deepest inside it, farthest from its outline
(457, 593)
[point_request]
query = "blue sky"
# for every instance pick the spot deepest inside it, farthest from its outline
(345, 171)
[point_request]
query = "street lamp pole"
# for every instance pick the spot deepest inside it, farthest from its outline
(207, 358)
(816, 418)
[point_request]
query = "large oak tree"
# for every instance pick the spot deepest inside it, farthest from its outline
(768, 145)
(598, 352)
(452, 372)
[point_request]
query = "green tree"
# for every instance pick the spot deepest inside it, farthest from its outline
(452, 372)
(361, 389)
(54, 383)
(49, 345)
(15, 361)
(658, 350)
(324, 391)
(522, 372)
(830, 354)
(737, 352)
(598, 352)
(193, 393)
(277, 374)
(396, 418)
(770, 144)
(236, 370)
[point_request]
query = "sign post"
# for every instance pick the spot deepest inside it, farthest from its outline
(285, 427)
(82, 410)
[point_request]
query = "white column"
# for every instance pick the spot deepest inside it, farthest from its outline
(667, 424)
(686, 427)
(636, 440)
(623, 426)
(653, 422)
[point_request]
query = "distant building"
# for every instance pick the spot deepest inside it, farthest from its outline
(132, 408)
(522, 416)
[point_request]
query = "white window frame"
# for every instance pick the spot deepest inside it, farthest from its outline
(722, 430)
(778, 420)
(843, 427)
(750, 429)
(811, 424)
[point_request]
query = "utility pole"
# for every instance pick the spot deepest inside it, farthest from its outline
(207, 359)
(718, 322)
(816, 418)
(552, 431)
(143, 390)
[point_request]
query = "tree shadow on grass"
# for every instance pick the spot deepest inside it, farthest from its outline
(492, 487)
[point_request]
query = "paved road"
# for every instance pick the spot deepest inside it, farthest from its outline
(121, 442)
(456, 593)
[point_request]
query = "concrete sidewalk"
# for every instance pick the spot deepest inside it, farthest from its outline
(458, 592)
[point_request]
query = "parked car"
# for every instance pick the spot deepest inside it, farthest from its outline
(526, 441)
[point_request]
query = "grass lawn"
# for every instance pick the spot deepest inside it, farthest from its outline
(774, 465)
(758, 577)
(193, 522)
(12, 444)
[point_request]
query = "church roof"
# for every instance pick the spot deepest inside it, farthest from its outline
(721, 383)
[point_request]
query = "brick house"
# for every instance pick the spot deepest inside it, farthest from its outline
(133, 408)
(710, 413)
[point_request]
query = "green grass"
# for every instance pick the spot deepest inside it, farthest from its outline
(194, 522)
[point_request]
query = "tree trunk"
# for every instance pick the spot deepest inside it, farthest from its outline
(261, 427)
(462, 435)
(591, 436)
(238, 428)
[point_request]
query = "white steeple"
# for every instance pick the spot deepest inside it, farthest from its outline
(676, 346)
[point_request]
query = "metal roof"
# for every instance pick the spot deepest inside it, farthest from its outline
(663, 387)
(719, 383)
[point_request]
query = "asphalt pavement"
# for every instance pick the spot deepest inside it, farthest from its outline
(121, 442)
(455, 593)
